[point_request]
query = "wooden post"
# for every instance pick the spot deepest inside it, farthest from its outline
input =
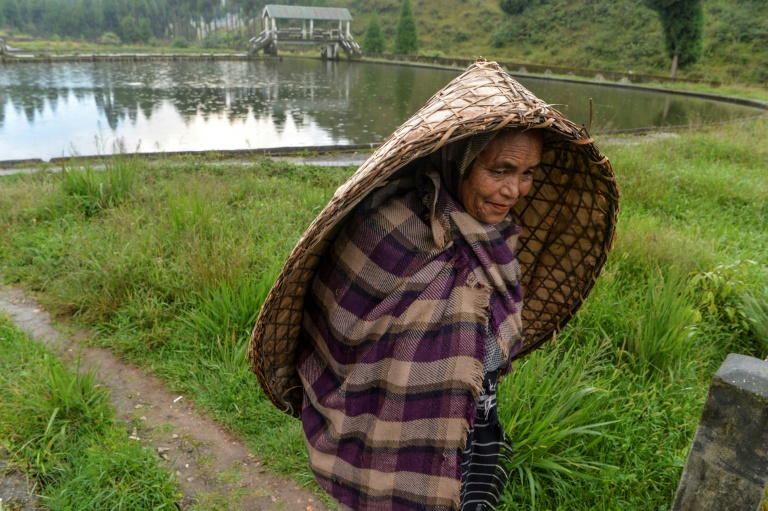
(311, 29)
(727, 467)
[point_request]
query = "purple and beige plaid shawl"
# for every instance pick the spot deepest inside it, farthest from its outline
(395, 325)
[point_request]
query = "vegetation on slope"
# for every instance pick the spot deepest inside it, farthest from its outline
(616, 35)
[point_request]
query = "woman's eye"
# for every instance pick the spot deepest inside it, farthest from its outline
(497, 173)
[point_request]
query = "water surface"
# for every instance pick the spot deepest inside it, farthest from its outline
(65, 109)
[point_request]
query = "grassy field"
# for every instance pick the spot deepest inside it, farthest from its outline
(57, 426)
(168, 262)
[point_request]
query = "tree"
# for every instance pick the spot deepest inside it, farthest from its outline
(406, 40)
(514, 7)
(683, 25)
(374, 41)
(129, 29)
(92, 21)
(12, 13)
(110, 15)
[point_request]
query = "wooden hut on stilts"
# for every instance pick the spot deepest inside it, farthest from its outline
(297, 25)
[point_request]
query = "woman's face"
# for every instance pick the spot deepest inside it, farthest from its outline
(501, 174)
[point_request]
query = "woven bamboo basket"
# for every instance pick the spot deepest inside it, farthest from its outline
(568, 218)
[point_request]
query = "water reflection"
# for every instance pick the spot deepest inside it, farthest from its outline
(49, 110)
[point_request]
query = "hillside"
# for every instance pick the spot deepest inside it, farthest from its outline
(617, 35)
(613, 35)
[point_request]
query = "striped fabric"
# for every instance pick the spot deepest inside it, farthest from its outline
(394, 327)
(485, 461)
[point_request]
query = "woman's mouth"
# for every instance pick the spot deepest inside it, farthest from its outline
(500, 207)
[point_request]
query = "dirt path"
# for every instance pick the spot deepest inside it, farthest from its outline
(213, 467)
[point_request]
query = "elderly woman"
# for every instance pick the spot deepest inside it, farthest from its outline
(402, 305)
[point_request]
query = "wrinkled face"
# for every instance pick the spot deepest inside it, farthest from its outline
(501, 174)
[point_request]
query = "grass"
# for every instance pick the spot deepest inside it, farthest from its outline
(93, 191)
(57, 426)
(171, 276)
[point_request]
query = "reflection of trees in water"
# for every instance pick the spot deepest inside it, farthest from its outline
(349, 101)
(404, 80)
(621, 109)
(672, 112)
(30, 101)
(378, 99)
(3, 102)
(118, 104)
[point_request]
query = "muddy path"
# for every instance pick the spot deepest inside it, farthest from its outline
(213, 467)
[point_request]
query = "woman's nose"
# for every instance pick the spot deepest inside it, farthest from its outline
(510, 188)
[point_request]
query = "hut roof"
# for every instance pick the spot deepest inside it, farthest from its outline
(307, 13)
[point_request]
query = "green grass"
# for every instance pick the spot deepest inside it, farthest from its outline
(57, 426)
(91, 191)
(172, 274)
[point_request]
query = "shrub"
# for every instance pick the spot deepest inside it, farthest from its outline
(460, 37)
(513, 7)
(720, 293)
(109, 38)
(180, 42)
(212, 41)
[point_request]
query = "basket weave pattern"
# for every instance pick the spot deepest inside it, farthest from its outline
(568, 218)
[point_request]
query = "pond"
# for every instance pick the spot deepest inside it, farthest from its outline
(67, 109)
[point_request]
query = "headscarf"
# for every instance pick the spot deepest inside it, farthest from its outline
(395, 325)
(454, 160)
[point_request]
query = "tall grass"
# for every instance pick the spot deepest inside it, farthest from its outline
(115, 474)
(59, 408)
(92, 190)
(554, 406)
(756, 315)
(667, 328)
(223, 317)
(58, 427)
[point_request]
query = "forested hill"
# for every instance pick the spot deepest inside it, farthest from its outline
(619, 35)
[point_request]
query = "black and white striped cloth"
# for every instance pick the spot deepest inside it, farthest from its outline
(484, 472)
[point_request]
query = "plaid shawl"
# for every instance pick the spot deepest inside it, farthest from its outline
(395, 325)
